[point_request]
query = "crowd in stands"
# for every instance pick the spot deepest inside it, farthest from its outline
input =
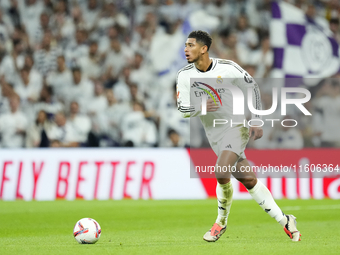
(101, 73)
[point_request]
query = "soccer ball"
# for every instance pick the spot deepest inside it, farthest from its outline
(87, 231)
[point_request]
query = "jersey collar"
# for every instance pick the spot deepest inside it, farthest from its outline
(211, 66)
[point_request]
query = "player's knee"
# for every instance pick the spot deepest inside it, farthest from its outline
(224, 176)
(223, 180)
(249, 183)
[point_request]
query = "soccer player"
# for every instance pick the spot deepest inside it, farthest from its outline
(228, 142)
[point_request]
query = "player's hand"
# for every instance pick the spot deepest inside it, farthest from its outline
(211, 106)
(256, 132)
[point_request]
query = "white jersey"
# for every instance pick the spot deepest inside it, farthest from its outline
(222, 72)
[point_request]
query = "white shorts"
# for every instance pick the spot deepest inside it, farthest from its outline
(235, 139)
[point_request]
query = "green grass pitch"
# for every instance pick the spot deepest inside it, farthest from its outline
(166, 227)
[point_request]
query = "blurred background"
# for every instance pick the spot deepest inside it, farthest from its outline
(102, 73)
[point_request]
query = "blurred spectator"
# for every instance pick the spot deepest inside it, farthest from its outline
(328, 104)
(26, 88)
(332, 9)
(90, 64)
(55, 144)
(46, 56)
(168, 11)
(5, 4)
(69, 24)
(171, 38)
(227, 47)
(105, 40)
(222, 10)
(30, 11)
(9, 62)
(117, 57)
(311, 13)
(137, 131)
(61, 79)
(47, 102)
(335, 28)
(13, 11)
(48, 6)
(245, 34)
(135, 93)
(185, 8)
(141, 39)
(141, 74)
(81, 89)
(287, 137)
(13, 125)
(60, 20)
(77, 48)
(6, 28)
(98, 103)
(64, 132)
(264, 14)
(167, 107)
(110, 120)
(20, 35)
(121, 89)
(34, 74)
(40, 29)
(37, 131)
(111, 16)
(91, 14)
(6, 93)
(262, 58)
(3, 65)
(266, 141)
(175, 139)
(81, 123)
(311, 127)
(146, 6)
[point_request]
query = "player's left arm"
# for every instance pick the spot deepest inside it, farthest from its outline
(245, 83)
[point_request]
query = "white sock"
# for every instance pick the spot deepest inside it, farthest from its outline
(264, 198)
(224, 193)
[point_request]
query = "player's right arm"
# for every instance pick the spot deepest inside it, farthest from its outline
(184, 105)
(183, 97)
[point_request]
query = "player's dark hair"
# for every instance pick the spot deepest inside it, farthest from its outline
(201, 37)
